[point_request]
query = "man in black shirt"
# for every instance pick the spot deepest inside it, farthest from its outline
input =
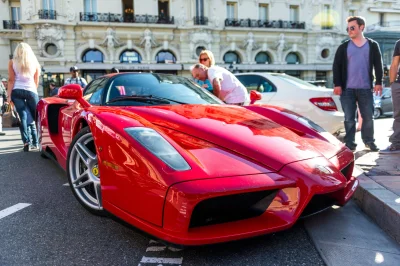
(394, 75)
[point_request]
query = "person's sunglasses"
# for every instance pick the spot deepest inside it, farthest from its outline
(350, 28)
(203, 59)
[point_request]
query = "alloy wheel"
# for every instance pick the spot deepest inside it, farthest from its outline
(84, 175)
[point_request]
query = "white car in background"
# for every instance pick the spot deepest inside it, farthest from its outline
(315, 103)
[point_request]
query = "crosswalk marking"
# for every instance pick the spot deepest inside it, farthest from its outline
(162, 260)
(155, 249)
(13, 209)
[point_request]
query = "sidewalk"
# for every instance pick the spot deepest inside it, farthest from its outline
(378, 194)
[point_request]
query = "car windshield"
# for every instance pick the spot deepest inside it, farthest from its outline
(156, 89)
(295, 81)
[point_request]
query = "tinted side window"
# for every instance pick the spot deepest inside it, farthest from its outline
(266, 86)
(98, 93)
(94, 90)
(251, 82)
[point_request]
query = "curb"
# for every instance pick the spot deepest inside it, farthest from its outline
(379, 203)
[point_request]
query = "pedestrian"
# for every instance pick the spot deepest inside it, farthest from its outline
(114, 70)
(75, 78)
(394, 75)
(206, 58)
(23, 73)
(225, 85)
(4, 82)
(53, 89)
(353, 66)
(3, 103)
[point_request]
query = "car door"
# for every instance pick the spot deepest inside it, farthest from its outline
(260, 84)
(92, 94)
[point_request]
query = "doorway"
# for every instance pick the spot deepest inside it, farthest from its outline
(163, 9)
(127, 10)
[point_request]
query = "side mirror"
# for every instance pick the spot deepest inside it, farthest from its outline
(73, 91)
(255, 96)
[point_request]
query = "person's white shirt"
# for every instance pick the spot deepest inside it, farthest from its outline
(78, 80)
(232, 90)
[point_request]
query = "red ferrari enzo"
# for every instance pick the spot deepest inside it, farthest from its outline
(171, 159)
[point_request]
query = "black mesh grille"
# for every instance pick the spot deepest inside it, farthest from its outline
(347, 171)
(317, 204)
(231, 208)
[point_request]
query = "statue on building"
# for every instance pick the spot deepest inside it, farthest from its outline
(215, 18)
(281, 46)
(29, 10)
(111, 41)
(70, 11)
(182, 16)
(250, 46)
(149, 42)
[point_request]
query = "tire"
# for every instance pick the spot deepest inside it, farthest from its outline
(83, 172)
(377, 113)
(39, 135)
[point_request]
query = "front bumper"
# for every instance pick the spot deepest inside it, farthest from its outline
(296, 187)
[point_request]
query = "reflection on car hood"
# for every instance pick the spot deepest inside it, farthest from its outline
(234, 128)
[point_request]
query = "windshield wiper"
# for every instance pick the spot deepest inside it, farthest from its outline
(144, 98)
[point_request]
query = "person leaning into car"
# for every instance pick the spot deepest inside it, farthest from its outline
(353, 66)
(225, 85)
(206, 58)
(394, 74)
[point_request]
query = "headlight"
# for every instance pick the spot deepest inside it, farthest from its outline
(157, 145)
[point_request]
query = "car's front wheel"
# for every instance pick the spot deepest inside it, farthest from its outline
(377, 113)
(83, 172)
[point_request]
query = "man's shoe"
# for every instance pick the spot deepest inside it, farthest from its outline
(2, 133)
(392, 149)
(26, 147)
(372, 146)
(351, 147)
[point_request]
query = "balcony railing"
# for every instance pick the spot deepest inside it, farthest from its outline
(200, 20)
(110, 17)
(254, 23)
(47, 14)
(11, 25)
(372, 27)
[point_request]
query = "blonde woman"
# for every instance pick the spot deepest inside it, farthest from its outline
(23, 80)
(206, 58)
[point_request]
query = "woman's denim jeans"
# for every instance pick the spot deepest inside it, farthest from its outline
(25, 101)
(350, 98)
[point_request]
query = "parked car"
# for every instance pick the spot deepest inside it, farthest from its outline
(383, 104)
(315, 103)
(168, 157)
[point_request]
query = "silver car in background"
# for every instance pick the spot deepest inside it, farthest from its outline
(383, 105)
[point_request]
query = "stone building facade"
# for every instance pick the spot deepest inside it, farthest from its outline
(298, 37)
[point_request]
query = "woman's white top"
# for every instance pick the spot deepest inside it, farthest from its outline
(25, 83)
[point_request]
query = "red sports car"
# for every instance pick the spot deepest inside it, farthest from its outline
(169, 158)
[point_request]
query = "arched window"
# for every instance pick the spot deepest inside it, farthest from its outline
(93, 55)
(130, 56)
(199, 49)
(165, 57)
(231, 57)
(292, 58)
(263, 58)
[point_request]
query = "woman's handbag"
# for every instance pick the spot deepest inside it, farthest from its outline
(10, 118)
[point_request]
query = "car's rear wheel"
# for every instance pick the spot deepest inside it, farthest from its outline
(40, 136)
(83, 172)
(377, 113)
